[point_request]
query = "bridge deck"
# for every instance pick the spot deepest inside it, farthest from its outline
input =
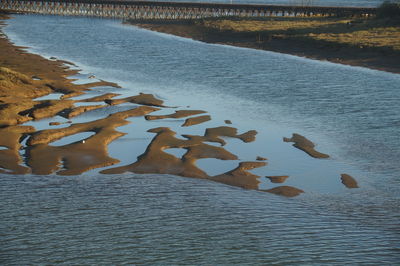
(174, 10)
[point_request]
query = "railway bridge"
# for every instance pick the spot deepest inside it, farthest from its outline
(125, 9)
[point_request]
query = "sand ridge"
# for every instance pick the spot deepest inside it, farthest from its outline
(81, 156)
(10, 159)
(156, 160)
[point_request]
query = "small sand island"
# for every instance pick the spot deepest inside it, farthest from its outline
(26, 77)
(305, 145)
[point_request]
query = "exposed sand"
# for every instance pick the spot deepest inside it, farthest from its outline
(10, 159)
(277, 179)
(81, 156)
(305, 145)
(349, 181)
(214, 133)
(177, 114)
(285, 191)
(25, 77)
(144, 99)
(196, 120)
(240, 177)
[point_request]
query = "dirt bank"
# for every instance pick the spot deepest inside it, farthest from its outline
(368, 43)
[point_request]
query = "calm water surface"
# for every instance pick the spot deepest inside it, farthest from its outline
(352, 113)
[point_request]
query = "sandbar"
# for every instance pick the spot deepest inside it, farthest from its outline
(305, 145)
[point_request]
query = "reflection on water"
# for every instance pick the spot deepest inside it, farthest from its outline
(351, 113)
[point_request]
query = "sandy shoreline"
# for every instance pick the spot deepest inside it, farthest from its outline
(379, 59)
(25, 77)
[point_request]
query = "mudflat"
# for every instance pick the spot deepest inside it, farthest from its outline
(26, 77)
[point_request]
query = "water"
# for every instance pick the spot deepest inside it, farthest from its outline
(152, 220)
(352, 113)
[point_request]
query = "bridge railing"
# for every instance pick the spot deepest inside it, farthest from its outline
(173, 10)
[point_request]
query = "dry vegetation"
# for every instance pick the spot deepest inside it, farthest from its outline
(376, 33)
(269, 24)
(375, 37)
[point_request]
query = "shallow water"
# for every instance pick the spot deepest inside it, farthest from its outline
(351, 113)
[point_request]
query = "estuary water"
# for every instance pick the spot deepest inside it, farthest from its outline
(352, 113)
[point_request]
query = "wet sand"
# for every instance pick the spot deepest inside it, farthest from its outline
(277, 179)
(24, 77)
(305, 145)
(348, 181)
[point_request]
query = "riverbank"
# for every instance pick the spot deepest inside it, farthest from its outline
(370, 43)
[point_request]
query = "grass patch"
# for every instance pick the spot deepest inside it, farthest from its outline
(269, 24)
(376, 33)
(388, 37)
